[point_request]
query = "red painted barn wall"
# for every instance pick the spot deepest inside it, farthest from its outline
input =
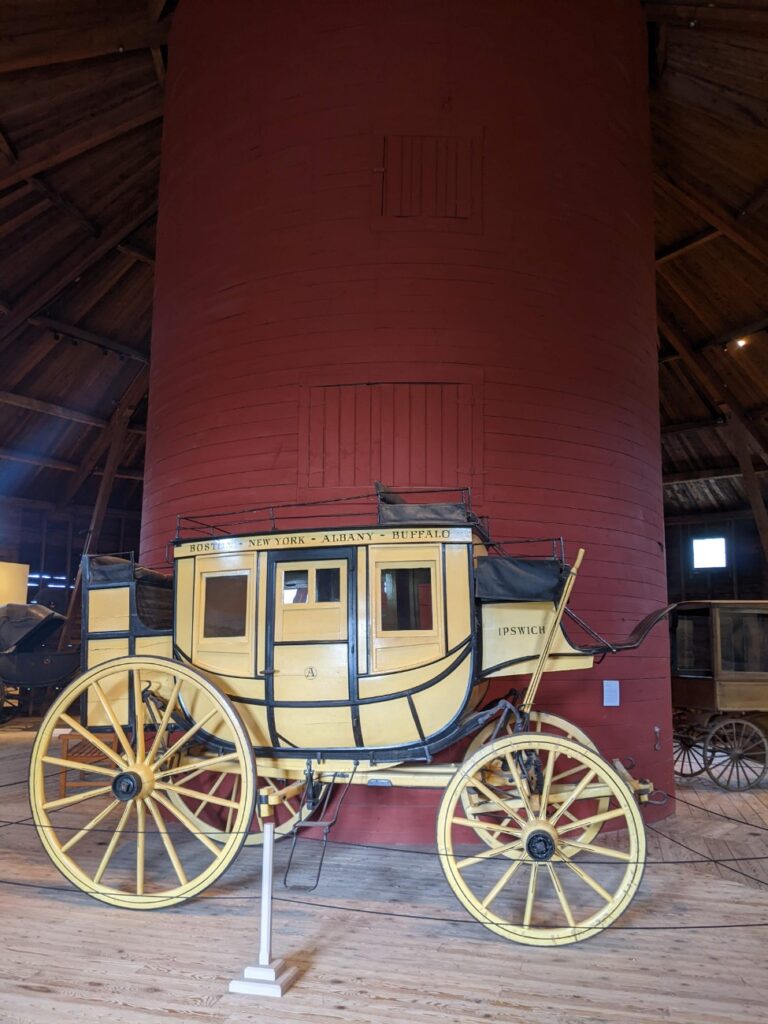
(413, 241)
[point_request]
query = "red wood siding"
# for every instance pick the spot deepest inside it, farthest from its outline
(409, 435)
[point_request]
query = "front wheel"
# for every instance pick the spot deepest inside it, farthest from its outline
(545, 882)
(111, 767)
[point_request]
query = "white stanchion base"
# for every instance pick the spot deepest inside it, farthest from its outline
(273, 979)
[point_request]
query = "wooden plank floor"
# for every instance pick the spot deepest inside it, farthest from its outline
(66, 958)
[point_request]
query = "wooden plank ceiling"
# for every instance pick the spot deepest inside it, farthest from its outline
(81, 99)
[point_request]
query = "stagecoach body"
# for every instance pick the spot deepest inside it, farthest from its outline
(350, 644)
(275, 664)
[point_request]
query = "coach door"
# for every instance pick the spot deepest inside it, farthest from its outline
(310, 656)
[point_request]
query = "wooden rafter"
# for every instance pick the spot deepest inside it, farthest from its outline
(752, 487)
(102, 341)
(690, 476)
(725, 17)
(125, 409)
(52, 409)
(65, 272)
(140, 110)
(671, 252)
(49, 462)
(110, 34)
(717, 388)
(721, 340)
(711, 211)
(57, 200)
(136, 252)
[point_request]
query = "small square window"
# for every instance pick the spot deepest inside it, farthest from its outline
(226, 600)
(327, 586)
(406, 599)
(709, 553)
(295, 586)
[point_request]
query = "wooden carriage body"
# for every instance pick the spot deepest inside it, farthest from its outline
(720, 656)
(366, 644)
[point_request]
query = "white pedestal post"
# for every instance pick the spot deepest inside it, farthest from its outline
(269, 977)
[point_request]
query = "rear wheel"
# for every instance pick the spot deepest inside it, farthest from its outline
(736, 753)
(108, 801)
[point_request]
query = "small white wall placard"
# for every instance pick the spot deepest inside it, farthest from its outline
(611, 693)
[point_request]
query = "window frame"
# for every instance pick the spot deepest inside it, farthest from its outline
(234, 644)
(709, 568)
(733, 675)
(381, 629)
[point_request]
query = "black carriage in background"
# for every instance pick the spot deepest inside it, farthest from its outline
(32, 670)
(720, 691)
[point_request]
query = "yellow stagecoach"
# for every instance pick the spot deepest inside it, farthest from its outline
(278, 663)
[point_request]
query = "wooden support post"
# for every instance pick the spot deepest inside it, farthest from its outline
(751, 483)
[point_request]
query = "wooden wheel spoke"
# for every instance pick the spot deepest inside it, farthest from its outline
(79, 766)
(601, 851)
(187, 736)
(524, 796)
(198, 767)
(574, 795)
(593, 819)
(546, 784)
(170, 849)
(489, 826)
(494, 892)
(207, 796)
(138, 715)
(163, 724)
(494, 851)
(84, 831)
(94, 741)
(77, 798)
(561, 895)
(568, 773)
(109, 711)
(530, 895)
(497, 800)
(195, 794)
(585, 877)
(141, 844)
(190, 825)
(112, 845)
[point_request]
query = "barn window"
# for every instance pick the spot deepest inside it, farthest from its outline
(709, 553)
(406, 599)
(226, 601)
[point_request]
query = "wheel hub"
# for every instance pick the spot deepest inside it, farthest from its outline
(540, 845)
(127, 786)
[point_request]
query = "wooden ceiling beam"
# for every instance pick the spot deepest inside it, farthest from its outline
(64, 273)
(111, 34)
(692, 476)
(7, 148)
(136, 252)
(686, 426)
(59, 327)
(755, 203)
(73, 510)
(713, 384)
(722, 17)
(60, 411)
(712, 212)
(48, 462)
(57, 200)
(142, 109)
(133, 394)
(671, 252)
(721, 340)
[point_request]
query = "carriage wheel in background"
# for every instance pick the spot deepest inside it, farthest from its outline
(117, 834)
(736, 753)
(546, 883)
(215, 820)
(540, 722)
(688, 755)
